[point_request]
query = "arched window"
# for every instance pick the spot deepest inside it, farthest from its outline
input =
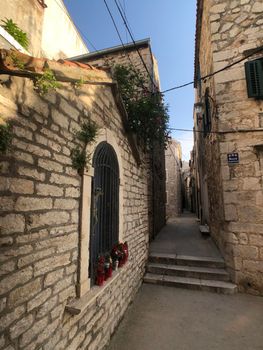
(104, 223)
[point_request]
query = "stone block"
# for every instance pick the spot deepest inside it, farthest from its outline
(251, 184)
(60, 119)
(250, 213)
(21, 186)
(50, 264)
(65, 180)
(7, 267)
(24, 293)
(65, 204)
(39, 299)
(257, 7)
(6, 203)
(78, 339)
(31, 237)
(25, 157)
(31, 204)
(33, 101)
(50, 165)
(4, 167)
(62, 284)
(49, 190)
(57, 311)
(30, 259)
(36, 328)
(21, 326)
(24, 133)
(47, 332)
(246, 252)
(253, 266)
(73, 192)
(9, 318)
(15, 279)
(45, 308)
(30, 148)
(49, 218)
(72, 112)
(230, 213)
(69, 292)
(230, 197)
(256, 239)
(52, 277)
(31, 172)
(12, 223)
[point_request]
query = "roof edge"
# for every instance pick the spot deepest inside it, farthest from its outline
(139, 43)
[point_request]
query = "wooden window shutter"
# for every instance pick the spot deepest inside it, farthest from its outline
(254, 78)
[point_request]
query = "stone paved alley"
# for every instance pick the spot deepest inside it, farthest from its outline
(169, 318)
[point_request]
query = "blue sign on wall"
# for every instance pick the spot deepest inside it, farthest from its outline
(232, 158)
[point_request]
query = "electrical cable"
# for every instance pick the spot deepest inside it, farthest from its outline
(133, 40)
(124, 13)
(119, 35)
(257, 50)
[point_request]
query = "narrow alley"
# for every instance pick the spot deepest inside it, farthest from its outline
(131, 175)
(168, 318)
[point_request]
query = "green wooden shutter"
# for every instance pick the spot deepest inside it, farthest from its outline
(254, 77)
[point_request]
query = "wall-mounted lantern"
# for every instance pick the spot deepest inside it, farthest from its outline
(198, 107)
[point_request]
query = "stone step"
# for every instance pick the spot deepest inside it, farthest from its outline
(189, 271)
(191, 283)
(186, 260)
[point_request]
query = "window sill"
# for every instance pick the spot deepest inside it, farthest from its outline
(77, 306)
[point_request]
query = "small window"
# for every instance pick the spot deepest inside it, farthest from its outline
(254, 78)
(105, 204)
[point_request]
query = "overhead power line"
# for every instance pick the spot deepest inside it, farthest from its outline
(119, 35)
(133, 40)
(257, 50)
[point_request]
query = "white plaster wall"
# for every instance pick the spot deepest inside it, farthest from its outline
(60, 38)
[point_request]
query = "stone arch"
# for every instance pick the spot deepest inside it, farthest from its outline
(105, 135)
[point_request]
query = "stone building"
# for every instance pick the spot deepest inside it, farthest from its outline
(48, 298)
(50, 30)
(173, 165)
(125, 55)
(49, 212)
(229, 133)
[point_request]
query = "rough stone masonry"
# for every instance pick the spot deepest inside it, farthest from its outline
(226, 32)
(40, 217)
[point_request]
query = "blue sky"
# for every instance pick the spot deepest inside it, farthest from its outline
(170, 24)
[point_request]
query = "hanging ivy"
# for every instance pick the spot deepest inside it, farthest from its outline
(5, 137)
(86, 135)
(46, 82)
(147, 113)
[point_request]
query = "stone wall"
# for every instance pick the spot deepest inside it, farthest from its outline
(28, 15)
(173, 164)
(155, 160)
(50, 30)
(40, 217)
(236, 27)
(60, 37)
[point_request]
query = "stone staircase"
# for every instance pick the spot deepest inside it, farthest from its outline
(192, 272)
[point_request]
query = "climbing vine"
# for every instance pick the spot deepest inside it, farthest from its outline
(46, 82)
(86, 135)
(17, 33)
(17, 62)
(147, 113)
(5, 137)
